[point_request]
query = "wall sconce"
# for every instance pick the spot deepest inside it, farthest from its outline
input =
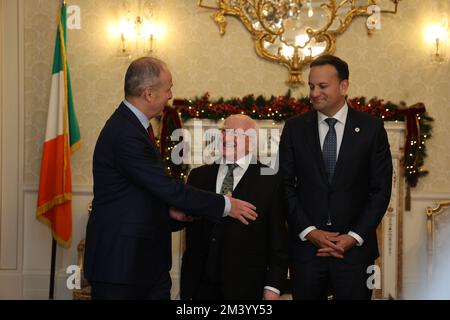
(137, 29)
(437, 36)
(294, 32)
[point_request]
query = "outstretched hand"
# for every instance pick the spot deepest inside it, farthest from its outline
(241, 210)
(178, 215)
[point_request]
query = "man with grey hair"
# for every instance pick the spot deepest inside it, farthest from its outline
(225, 259)
(128, 236)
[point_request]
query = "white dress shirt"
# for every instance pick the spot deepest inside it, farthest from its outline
(239, 171)
(341, 117)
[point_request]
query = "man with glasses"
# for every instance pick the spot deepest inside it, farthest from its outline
(225, 259)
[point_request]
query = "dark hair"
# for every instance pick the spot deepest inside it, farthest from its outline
(340, 65)
(142, 73)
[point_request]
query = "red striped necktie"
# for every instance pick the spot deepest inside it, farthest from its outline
(151, 135)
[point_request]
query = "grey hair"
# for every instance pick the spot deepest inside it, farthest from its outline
(142, 73)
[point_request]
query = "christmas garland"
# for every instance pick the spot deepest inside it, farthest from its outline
(281, 108)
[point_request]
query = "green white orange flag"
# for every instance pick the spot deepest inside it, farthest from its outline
(62, 137)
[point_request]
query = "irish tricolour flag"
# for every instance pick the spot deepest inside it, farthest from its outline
(62, 137)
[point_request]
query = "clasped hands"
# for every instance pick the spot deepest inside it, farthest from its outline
(240, 210)
(331, 244)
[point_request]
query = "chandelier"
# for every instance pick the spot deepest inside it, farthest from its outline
(294, 32)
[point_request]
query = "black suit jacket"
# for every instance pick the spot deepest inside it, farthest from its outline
(242, 258)
(359, 193)
(128, 236)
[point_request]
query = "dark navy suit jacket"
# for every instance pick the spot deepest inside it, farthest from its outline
(359, 193)
(244, 258)
(128, 236)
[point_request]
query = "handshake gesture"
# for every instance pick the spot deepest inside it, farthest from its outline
(240, 210)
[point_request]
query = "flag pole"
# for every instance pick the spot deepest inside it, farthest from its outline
(55, 188)
(52, 270)
(53, 257)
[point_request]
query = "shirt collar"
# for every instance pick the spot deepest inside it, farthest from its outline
(243, 162)
(340, 116)
(138, 113)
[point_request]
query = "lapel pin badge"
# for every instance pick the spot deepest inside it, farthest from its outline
(357, 129)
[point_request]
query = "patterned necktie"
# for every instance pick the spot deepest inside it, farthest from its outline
(151, 134)
(329, 149)
(228, 181)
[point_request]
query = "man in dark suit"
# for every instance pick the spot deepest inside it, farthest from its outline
(128, 236)
(336, 168)
(228, 260)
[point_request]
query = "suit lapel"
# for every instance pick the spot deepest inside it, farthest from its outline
(312, 136)
(348, 141)
(250, 176)
(125, 112)
(211, 178)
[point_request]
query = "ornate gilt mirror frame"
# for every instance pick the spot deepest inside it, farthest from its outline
(294, 32)
(433, 216)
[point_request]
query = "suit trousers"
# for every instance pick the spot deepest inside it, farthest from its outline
(112, 291)
(208, 290)
(319, 277)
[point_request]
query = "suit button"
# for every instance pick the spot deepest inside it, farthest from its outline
(213, 239)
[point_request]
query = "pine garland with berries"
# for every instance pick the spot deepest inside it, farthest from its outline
(419, 123)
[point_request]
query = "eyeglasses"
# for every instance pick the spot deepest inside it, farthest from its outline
(234, 132)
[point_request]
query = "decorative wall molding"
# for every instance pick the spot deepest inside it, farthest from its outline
(430, 196)
(12, 133)
(76, 189)
(37, 249)
(36, 285)
(11, 285)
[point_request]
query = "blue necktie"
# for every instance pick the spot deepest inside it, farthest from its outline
(329, 150)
